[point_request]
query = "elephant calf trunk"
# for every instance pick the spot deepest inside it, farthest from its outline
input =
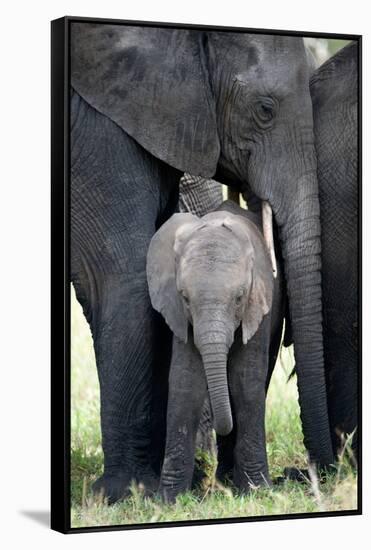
(214, 358)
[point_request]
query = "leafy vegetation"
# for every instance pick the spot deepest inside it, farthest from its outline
(210, 500)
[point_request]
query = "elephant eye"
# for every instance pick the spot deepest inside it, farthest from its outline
(265, 109)
(185, 298)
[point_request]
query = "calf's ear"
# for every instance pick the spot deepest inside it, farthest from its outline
(259, 265)
(161, 270)
(259, 304)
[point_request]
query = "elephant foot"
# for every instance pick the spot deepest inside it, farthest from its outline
(113, 487)
(168, 493)
(246, 483)
(296, 474)
(170, 487)
(116, 487)
(292, 474)
(168, 496)
(303, 475)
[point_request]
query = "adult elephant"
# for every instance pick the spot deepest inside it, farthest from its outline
(149, 104)
(334, 89)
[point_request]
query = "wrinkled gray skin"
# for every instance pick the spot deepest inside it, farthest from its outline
(335, 103)
(147, 105)
(211, 278)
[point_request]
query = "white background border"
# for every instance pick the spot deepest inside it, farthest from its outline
(24, 219)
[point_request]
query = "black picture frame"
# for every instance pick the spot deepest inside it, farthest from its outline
(60, 274)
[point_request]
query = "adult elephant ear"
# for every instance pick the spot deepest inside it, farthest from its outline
(154, 84)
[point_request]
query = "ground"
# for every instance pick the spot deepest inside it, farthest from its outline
(284, 444)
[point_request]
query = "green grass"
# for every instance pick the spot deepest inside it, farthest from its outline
(284, 445)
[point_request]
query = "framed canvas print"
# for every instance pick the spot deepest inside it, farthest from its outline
(205, 274)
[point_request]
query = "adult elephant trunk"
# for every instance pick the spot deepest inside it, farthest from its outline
(300, 236)
(214, 357)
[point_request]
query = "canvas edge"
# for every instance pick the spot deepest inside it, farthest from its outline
(60, 287)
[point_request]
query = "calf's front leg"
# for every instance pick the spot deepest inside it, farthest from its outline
(248, 373)
(187, 392)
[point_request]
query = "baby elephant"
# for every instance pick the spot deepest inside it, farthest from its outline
(212, 280)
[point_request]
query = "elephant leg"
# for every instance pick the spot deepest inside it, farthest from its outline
(340, 306)
(225, 445)
(205, 436)
(119, 196)
(124, 346)
(199, 195)
(247, 374)
(187, 392)
(341, 374)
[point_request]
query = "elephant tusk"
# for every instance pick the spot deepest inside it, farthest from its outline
(268, 234)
